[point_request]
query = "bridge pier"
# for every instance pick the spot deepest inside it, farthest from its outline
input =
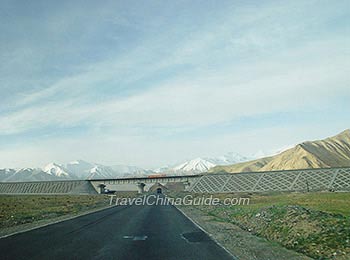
(187, 185)
(140, 187)
(102, 188)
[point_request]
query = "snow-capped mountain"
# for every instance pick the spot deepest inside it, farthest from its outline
(6, 174)
(127, 170)
(229, 158)
(56, 170)
(200, 165)
(81, 169)
(271, 152)
(162, 169)
(101, 172)
(85, 170)
(197, 165)
(27, 174)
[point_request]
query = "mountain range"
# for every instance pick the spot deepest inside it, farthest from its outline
(75, 170)
(85, 170)
(330, 152)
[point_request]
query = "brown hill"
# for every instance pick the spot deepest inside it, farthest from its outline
(330, 152)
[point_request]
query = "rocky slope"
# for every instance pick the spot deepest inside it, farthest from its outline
(330, 152)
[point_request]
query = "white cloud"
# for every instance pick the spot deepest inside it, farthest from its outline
(192, 101)
(241, 65)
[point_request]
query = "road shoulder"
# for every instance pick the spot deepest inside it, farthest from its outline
(238, 242)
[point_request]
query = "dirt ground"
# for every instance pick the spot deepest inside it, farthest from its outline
(240, 243)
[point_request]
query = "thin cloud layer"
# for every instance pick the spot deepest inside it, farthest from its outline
(191, 73)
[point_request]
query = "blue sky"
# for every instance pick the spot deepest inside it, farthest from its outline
(151, 83)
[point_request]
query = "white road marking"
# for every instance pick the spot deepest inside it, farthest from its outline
(136, 238)
(140, 238)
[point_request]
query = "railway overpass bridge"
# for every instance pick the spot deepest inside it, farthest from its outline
(145, 184)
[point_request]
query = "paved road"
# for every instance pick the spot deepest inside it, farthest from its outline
(121, 232)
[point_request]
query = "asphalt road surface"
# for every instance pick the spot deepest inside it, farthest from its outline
(122, 232)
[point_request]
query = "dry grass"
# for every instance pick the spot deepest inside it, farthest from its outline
(316, 224)
(17, 210)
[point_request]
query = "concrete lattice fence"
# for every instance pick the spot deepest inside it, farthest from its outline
(337, 179)
(47, 187)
